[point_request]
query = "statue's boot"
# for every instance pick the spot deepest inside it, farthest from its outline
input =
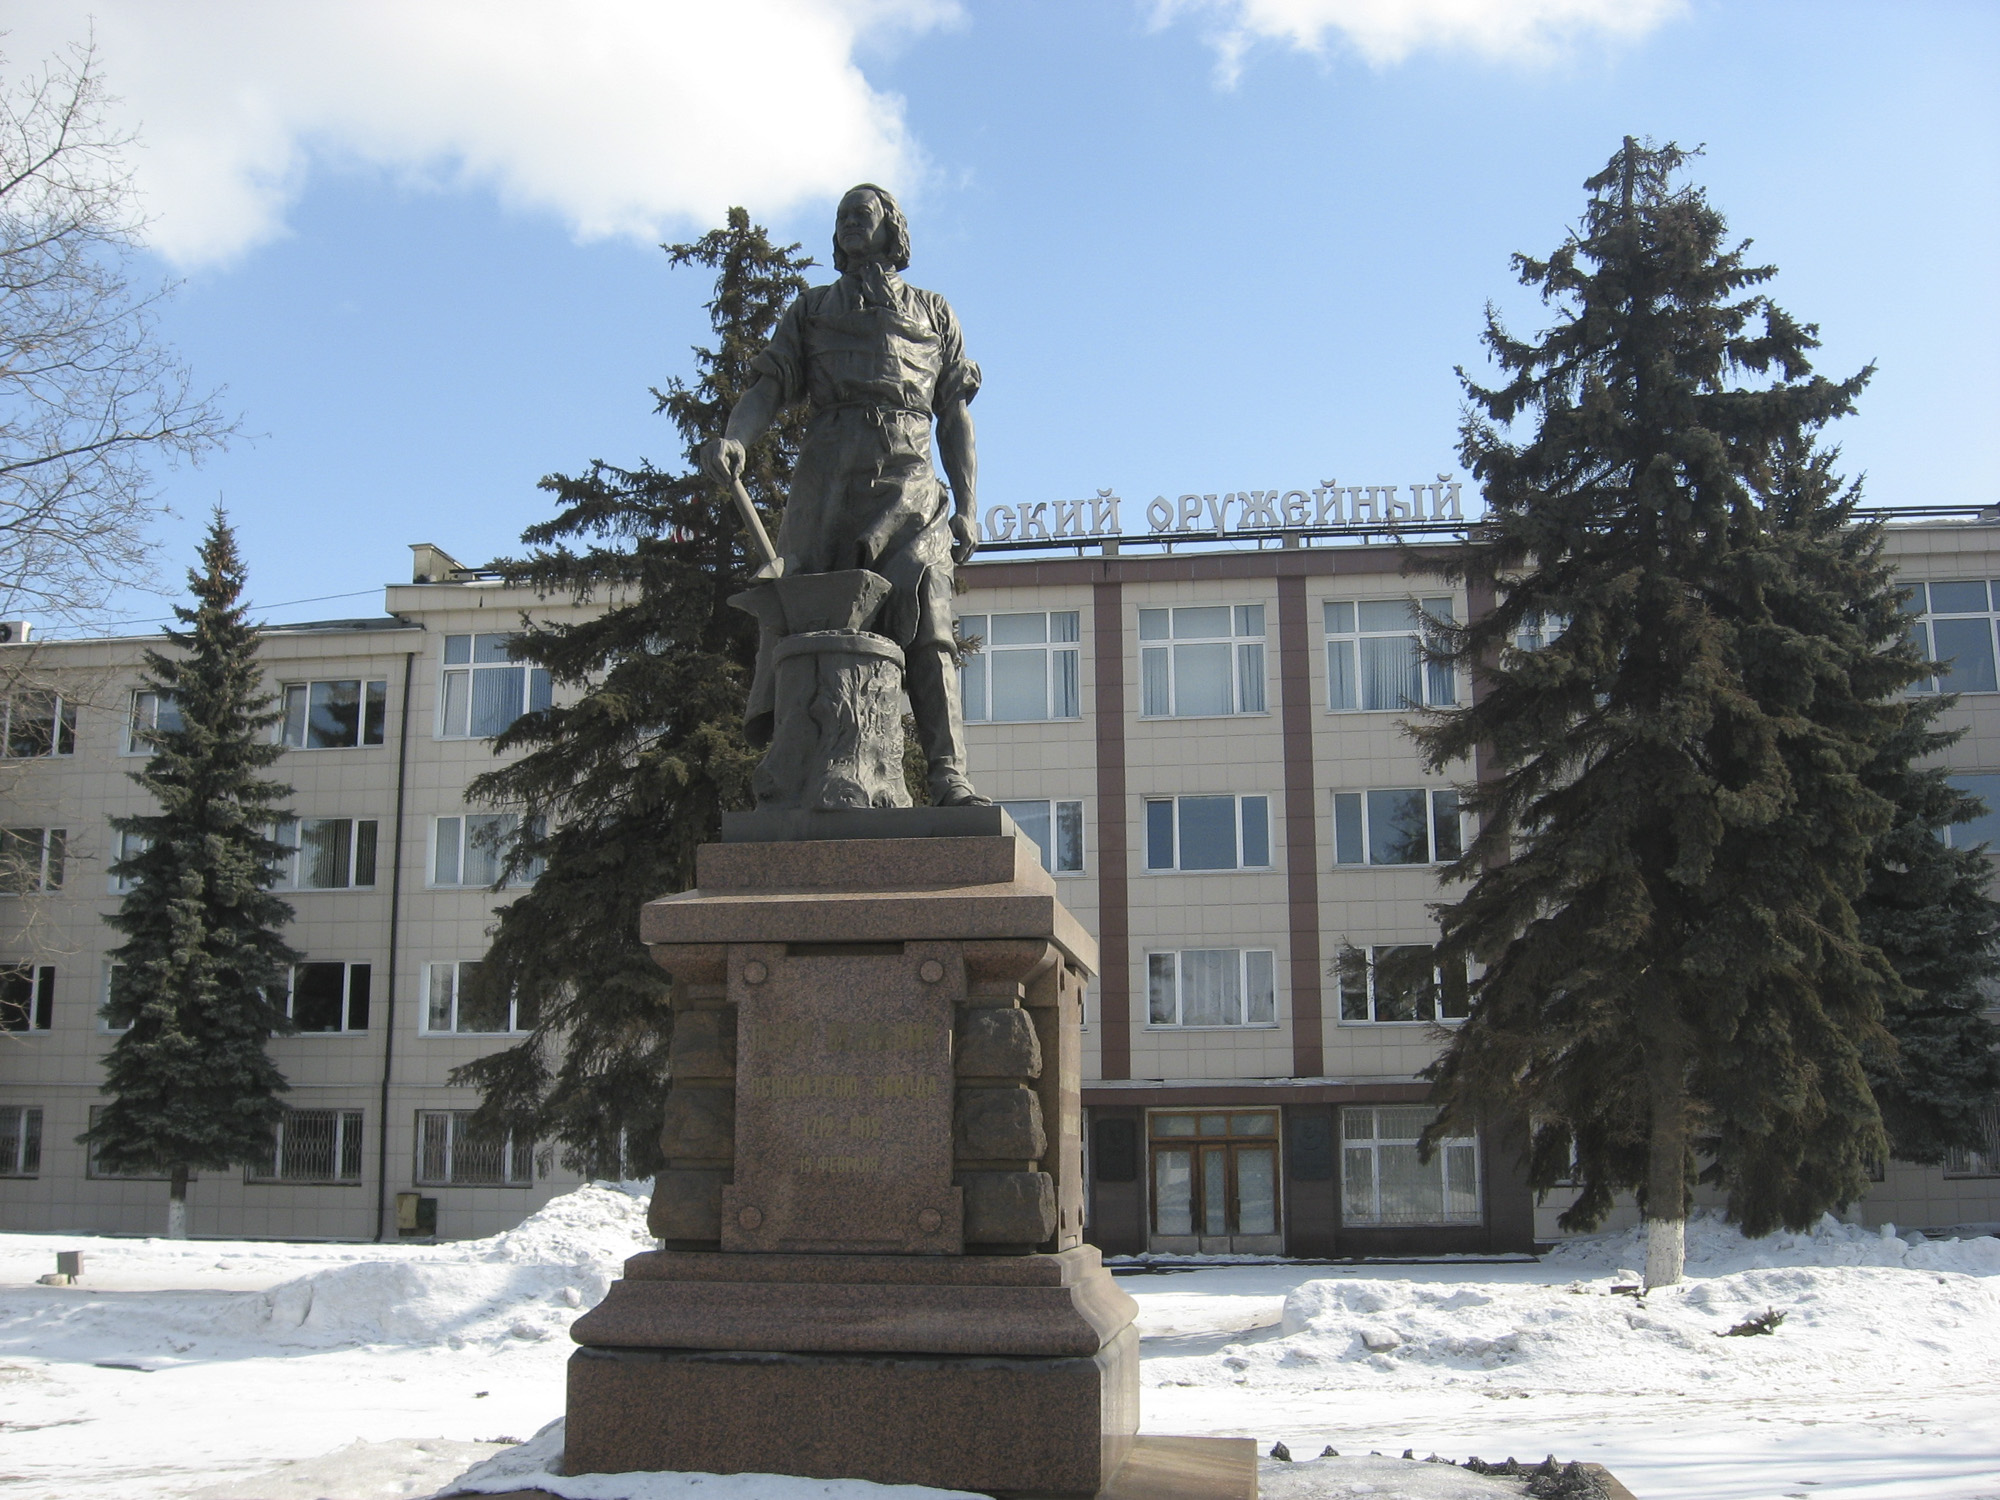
(930, 675)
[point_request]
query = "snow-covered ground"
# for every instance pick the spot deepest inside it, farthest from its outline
(235, 1371)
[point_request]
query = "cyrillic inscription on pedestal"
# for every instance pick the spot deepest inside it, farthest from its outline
(844, 1091)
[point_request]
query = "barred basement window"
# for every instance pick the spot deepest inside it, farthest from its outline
(1208, 833)
(1383, 1182)
(31, 860)
(449, 1155)
(27, 997)
(1394, 984)
(1056, 828)
(38, 723)
(1212, 987)
(329, 997)
(1210, 661)
(1400, 826)
(20, 1140)
(1375, 660)
(1982, 1160)
(312, 1145)
(483, 690)
(334, 715)
(1025, 669)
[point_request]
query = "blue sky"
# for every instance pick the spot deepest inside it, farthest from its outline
(1175, 278)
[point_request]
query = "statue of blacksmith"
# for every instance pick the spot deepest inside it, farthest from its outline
(878, 360)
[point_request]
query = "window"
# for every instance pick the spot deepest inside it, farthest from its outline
(1056, 828)
(456, 1004)
(126, 846)
(151, 711)
(312, 1145)
(329, 997)
(1381, 1180)
(1026, 668)
(38, 723)
(1954, 627)
(1391, 985)
(31, 860)
(20, 1140)
(1984, 829)
(1982, 1160)
(328, 854)
(334, 715)
(484, 689)
(470, 850)
(1375, 660)
(27, 997)
(450, 1155)
(1208, 833)
(1409, 826)
(114, 978)
(1538, 629)
(1212, 987)
(1210, 661)
(1215, 1173)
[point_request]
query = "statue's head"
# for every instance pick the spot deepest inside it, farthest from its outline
(869, 226)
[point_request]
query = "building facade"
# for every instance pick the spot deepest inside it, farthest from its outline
(1205, 743)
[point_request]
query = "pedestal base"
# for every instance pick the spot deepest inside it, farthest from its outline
(1030, 1427)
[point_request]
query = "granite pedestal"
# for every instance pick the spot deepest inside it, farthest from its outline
(872, 1203)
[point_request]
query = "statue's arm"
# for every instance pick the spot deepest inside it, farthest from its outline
(755, 411)
(960, 452)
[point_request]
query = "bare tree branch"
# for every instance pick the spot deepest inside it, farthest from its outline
(91, 401)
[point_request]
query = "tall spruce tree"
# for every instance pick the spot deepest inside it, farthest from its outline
(1928, 908)
(628, 777)
(192, 1085)
(1674, 823)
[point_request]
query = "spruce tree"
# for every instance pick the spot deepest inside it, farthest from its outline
(627, 776)
(192, 1086)
(1674, 824)
(1927, 907)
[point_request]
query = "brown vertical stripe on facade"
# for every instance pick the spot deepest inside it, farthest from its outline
(1301, 827)
(1114, 905)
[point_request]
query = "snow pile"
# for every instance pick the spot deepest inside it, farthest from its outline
(1716, 1247)
(1842, 1323)
(535, 1464)
(528, 1282)
(526, 1285)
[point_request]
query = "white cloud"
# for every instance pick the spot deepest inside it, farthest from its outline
(1385, 32)
(623, 117)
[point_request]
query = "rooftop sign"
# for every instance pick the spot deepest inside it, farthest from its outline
(1326, 505)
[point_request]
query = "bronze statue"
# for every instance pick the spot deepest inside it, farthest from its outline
(878, 360)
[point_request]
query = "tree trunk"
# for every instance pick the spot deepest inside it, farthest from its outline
(177, 1205)
(1666, 1165)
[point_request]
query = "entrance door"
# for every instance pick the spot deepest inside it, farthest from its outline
(1215, 1182)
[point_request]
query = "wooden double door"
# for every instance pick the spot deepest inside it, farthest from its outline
(1215, 1181)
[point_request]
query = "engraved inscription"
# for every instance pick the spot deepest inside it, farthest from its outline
(844, 1096)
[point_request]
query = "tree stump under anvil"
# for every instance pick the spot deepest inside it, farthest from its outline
(872, 1205)
(837, 716)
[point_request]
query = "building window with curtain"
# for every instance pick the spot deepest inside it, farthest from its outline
(1025, 669)
(1375, 659)
(1383, 1183)
(483, 690)
(1201, 661)
(1212, 987)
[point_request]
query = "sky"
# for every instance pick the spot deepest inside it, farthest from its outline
(1196, 245)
